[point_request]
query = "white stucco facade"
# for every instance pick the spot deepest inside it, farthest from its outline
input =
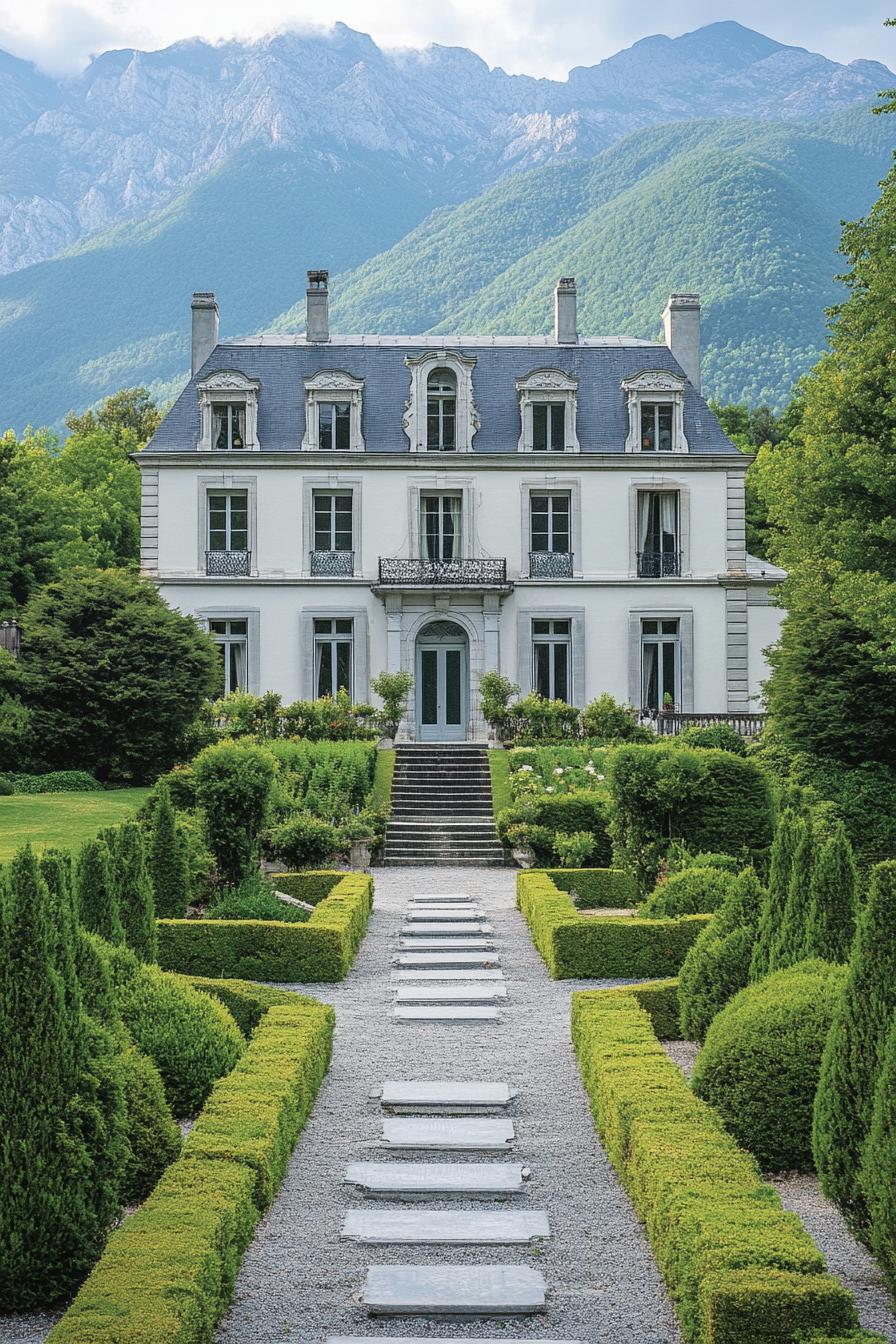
(234, 535)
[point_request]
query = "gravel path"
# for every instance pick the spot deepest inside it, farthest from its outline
(299, 1282)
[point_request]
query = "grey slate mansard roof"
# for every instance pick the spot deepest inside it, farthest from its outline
(281, 363)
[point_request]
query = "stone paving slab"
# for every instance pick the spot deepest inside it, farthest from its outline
(449, 929)
(441, 1227)
(463, 915)
(450, 993)
(445, 960)
(447, 975)
(438, 1180)
(446, 1012)
(473, 943)
(442, 896)
(417, 1339)
(440, 1093)
(455, 1290)
(438, 1134)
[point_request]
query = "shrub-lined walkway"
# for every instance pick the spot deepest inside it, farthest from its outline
(299, 1281)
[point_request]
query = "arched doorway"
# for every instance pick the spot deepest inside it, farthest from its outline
(443, 682)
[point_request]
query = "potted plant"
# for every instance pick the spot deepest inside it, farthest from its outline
(393, 688)
(495, 694)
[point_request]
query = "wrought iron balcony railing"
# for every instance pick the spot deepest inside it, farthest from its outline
(473, 573)
(332, 564)
(659, 564)
(228, 564)
(550, 564)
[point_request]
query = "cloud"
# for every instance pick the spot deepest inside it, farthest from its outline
(524, 36)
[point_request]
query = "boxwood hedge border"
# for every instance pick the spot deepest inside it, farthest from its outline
(166, 1275)
(740, 1269)
(575, 946)
(320, 950)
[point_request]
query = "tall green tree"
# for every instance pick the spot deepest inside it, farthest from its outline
(878, 1172)
(831, 497)
(831, 925)
(63, 1148)
(854, 1052)
(790, 941)
(233, 787)
(168, 867)
(111, 675)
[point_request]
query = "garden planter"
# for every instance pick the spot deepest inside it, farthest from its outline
(359, 855)
(523, 856)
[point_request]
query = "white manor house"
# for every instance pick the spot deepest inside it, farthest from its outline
(566, 511)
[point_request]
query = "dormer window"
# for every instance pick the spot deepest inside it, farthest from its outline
(548, 412)
(228, 412)
(440, 415)
(441, 411)
(333, 412)
(229, 429)
(655, 401)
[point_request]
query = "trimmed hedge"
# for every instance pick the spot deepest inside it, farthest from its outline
(246, 1002)
(613, 948)
(322, 949)
(380, 795)
(694, 891)
(596, 888)
(659, 999)
(740, 1269)
(167, 1274)
(310, 885)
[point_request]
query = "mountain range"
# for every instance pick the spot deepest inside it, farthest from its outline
(442, 194)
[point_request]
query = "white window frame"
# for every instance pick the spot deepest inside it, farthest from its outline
(458, 539)
(554, 387)
(661, 640)
(307, 660)
(443, 393)
(551, 495)
(228, 493)
(334, 638)
(655, 385)
(228, 387)
(332, 492)
(252, 617)
(466, 422)
(333, 385)
(553, 641)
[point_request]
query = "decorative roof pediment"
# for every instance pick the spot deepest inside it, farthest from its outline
(547, 380)
(654, 380)
(227, 380)
(333, 380)
(435, 357)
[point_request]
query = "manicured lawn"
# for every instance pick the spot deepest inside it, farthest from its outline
(63, 820)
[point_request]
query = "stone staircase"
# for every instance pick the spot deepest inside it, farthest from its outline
(442, 808)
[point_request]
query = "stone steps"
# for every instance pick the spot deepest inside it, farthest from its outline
(453, 1290)
(438, 1180)
(441, 1134)
(438, 1094)
(442, 808)
(441, 1227)
(450, 994)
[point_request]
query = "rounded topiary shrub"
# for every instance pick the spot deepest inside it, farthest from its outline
(761, 1062)
(191, 1038)
(153, 1137)
(696, 891)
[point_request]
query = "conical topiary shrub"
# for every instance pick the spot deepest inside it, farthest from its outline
(167, 861)
(854, 1051)
(717, 964)
(63, 1149)
(95, 899)
(878, 1172)
(787, 948)
(133, 888)
(831, 925)
(780, 871)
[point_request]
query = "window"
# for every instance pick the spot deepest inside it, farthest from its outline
(334, 425)
(548, 426)
(660, 664)
(333, 643)
(656, 427)
(232, 639)
(228, 521)
(230, 424)
(659, 551)
(441, 411)
(440, 527)
(550, 523)
(332, 520)
(550, 659)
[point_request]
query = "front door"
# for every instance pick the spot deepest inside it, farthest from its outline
(442, 684)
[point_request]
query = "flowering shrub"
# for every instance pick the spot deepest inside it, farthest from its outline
(574, 850)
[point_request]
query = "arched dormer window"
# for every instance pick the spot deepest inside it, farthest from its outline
(441, 411)
(440, 415)
(228, 412)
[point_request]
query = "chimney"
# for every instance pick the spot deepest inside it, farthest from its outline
(317, 320)
(681, 326)
(205, 328)
(565, 312)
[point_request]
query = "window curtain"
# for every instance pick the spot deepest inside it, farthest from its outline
(668, 520)
(451, 525)
(650, 688)
(645, 499)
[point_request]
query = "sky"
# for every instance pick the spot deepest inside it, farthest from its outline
(537, 37)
